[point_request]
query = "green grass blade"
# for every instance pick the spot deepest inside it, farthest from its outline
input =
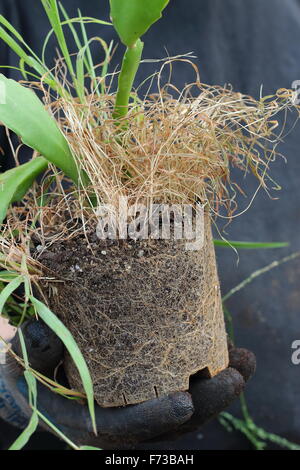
(25, 115)
(57, 431)
(87, 20)
(8, 290)
(80, 76)
(10, 28)
(71, 21)
(89, 448)
(31, 384)
(24, 437)
(40, 69)
(25, 58)
(13, 30)
(20, 69)
(85, 45)
(107, 50)
(52, 12)
(71, 27)
(34, 421)
(6, 276)
(13, 44)
(86, 42)
(80, 67)
(15, 183)
(63, 333)
(32, 389)
(249, 245)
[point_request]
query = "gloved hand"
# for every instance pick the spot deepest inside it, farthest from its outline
(118, 428)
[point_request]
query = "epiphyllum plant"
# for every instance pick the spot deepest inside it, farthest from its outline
(150, 310)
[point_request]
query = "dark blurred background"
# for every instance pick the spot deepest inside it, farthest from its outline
(249, 44)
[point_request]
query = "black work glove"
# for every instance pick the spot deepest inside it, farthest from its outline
(118, 428)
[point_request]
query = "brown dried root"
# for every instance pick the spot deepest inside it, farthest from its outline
(175, 150)
(169, 150)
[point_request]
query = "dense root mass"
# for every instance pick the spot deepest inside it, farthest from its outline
(176, 150)
(145, 314)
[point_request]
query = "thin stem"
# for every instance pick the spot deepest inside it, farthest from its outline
(56, 430)
(245, 411)
(258, 273)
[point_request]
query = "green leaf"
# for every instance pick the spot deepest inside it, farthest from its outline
(86, 42)
(8, 290)
(30, 59)
(29, 378)
(57, 431)
(13, 30)
(32, 393)
(84, 19)
(132, 18)
(52, 11)
(15, 183)
(24, 114)
(88, 448)
(13, 44)
(64, 334)
(80, 76)
(7, 276)
(24, 437)
(249, 245)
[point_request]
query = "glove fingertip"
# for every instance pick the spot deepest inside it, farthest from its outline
(243, 361)
(182, 407)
